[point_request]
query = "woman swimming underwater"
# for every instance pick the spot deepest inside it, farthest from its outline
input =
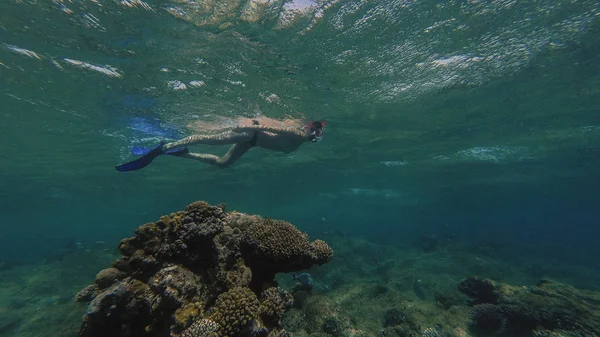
(267, 133)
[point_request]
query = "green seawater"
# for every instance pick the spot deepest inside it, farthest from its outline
(478, 121)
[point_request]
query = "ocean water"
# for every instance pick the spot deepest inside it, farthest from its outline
(477, 122)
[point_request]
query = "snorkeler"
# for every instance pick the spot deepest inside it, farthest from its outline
(258, 132)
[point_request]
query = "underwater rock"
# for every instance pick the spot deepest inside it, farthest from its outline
(479, 290)
(129, 300)
(200, 272)
(548, 306)
(393, 317)
(488, 318)
(87, 294)
(106, 277)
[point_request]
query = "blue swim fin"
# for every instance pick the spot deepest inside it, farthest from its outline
(138, 151)
(174, 152)
(143, 161)
(177, 151)
(147, 156)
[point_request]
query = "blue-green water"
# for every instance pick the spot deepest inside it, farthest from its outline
(475, 120)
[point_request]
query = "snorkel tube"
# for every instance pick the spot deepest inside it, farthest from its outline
(316, 129)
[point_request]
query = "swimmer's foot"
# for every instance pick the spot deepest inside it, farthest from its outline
(147, 156)
(177, 151)
(140, 151)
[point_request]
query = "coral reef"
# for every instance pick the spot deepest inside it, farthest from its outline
(546, 309)
(200, 272)
(350, 295)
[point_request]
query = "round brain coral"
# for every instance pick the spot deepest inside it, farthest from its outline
(278, 239)
(282, 246)
(234, 310)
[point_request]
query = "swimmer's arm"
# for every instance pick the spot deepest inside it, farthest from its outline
(280, 131)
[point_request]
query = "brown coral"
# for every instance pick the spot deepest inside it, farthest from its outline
(234, 310)
(277, 240)
(321, 251)
(186, 314)
(273, 246)
(150, 237)
(171, 222)
(203, 213)
(239, 275)
(274, 304)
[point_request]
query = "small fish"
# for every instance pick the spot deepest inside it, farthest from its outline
(305, 279)
(419, 290)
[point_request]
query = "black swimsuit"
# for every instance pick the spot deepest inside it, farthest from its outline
(254, 138)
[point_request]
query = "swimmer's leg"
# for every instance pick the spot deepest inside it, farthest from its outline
(179, 149)
(228, 137)
(235, 152)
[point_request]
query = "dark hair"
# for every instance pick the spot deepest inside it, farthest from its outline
(317, 124)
